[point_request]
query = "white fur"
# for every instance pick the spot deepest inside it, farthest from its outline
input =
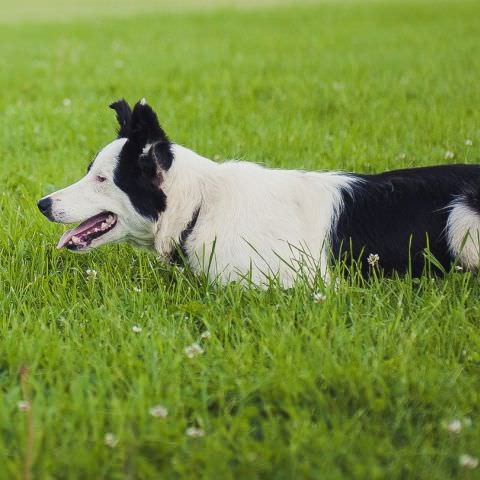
(254, 222)
(463, 233)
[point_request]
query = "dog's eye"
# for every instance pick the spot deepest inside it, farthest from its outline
(99, 178)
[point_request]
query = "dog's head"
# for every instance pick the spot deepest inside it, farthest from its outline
(121, 196)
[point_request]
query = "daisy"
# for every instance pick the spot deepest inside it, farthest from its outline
(193, 350)
(319, 297)
(23, 405)
(91, 274)
(373, 259)
(467, 461)
(195, 432)
(158, 411)
(111, 440)
(455, 426)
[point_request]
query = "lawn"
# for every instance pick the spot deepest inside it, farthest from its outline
(361, 384)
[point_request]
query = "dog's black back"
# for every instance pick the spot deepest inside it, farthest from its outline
(399, 214)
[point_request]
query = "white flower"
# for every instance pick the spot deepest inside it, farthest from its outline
(455, 426)
(467, 461)
(193, 350)
(195, 432)
(373, 259)
(205, 334)
(458, 268)
(319, 297)
(111, 440)
(136, 329)
(23, 405)
(449, 155)
(158, 411)
(66, 102)
(137, 289)
(91, 274)
(468, 143)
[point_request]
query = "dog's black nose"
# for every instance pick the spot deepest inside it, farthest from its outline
(45, 206)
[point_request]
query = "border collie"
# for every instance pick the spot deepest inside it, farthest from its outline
(240, 221)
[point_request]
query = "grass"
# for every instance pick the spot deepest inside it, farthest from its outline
(357, 386)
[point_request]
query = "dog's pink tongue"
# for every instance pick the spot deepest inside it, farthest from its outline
(83, 227)
(65, 238)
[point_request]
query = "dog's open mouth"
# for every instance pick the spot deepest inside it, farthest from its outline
(82, 236)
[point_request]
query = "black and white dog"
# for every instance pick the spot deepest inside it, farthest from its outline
(238, 220)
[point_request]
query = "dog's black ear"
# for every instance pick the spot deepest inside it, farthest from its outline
(161, 153)
(153, 163)
(144, 125)
(124, 115)
(158, 159)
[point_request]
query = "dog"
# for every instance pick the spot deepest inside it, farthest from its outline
(239, 221)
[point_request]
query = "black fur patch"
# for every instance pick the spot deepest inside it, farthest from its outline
(124, 114)
(137, 173)
(139, 183)
(144, 126)
(398, 214)
(162, 154)
(179, 254)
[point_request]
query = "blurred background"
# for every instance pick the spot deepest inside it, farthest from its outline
(314, 84)
(29, 9)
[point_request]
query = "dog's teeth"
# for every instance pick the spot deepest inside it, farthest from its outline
(103, 225)
(110, 219)
(96, 230)
(75, 240)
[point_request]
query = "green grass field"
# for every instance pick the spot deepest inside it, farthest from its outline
(360, 385)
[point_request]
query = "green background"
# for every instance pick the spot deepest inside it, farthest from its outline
(360, 385)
